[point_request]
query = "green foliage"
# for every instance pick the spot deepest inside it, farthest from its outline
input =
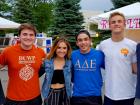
(23, 11)
(43, 16)
(68, 19)
(121, 3)
(93, 27)
(37, 12)
(4, 7)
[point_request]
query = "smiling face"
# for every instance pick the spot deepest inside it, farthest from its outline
(27, 38)
(117, 24)
(61, 50)
(83, 42)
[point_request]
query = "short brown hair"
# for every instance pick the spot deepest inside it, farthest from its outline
(27, 26)
(52, 53)
(115, 14)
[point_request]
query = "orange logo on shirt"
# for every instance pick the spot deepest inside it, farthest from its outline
(124, 51)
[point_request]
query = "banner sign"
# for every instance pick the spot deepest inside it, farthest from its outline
(131, 23)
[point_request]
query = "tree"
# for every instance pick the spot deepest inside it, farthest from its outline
(121, 3)
(4, 7)
(22, 12)
(68, 19)
(42, 13)
(37, 12)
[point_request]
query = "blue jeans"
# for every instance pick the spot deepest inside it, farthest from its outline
(108, 101)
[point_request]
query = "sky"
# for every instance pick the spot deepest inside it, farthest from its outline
(96, 5)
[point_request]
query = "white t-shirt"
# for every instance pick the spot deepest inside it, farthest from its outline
(120, 82)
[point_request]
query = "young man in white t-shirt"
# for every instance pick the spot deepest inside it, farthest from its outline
(120, 64)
